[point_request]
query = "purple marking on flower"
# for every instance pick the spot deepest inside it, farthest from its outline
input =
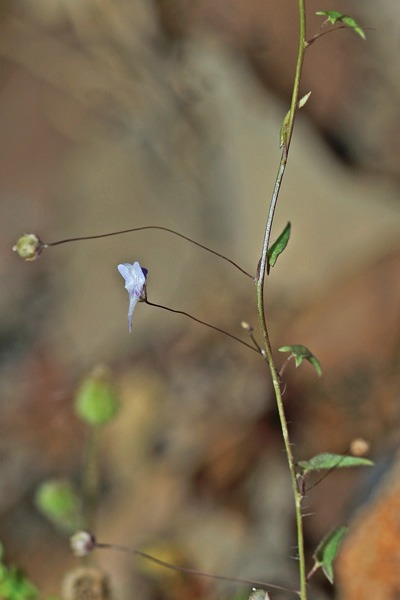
(135, 278)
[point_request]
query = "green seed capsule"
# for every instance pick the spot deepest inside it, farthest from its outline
(57, 500)
(29, 246)
(96, 402)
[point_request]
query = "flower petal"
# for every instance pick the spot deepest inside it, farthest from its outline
(135, 278)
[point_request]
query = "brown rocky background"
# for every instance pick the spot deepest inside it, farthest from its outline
(129, 113)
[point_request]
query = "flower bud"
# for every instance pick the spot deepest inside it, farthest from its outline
(29, 246)
(359, 447)
(247, 327)
(82, 543)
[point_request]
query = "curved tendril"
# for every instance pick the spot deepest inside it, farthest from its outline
(103, 235)
(182, 312)
(162, 563)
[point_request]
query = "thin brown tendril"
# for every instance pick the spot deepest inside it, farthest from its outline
(326, 31)
(182, 312)
(190, 571)
(103, 235)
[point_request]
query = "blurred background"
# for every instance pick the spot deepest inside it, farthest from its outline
(130, 113)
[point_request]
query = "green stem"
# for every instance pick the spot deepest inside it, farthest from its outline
(260, 280)
(90, 482)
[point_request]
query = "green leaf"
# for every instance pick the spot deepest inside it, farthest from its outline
(326, 460)
(334, 16)
(13, 583)
(278, 247)
(15, 586)
(327, 550)
(300, 104)
(299, 353)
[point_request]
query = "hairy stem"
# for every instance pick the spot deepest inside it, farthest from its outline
(260, 280)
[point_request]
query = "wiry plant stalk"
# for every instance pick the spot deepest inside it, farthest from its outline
(260, 281)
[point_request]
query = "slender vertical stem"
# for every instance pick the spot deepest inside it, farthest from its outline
(90, 482)
(260, 280)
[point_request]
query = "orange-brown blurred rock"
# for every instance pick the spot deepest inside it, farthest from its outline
(369, 557)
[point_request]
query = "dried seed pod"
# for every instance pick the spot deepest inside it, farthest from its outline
(85, 583)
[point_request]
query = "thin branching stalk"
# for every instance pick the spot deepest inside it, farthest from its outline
(167, 565)
(158, 227)
(260, 280)
(186, 314)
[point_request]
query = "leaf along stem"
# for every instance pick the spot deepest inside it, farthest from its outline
(260, 281)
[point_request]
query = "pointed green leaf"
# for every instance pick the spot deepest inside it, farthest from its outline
(326, 460)
(327, 550)
(334, 16)
(350, 22)
(278, 247)
(301, 352)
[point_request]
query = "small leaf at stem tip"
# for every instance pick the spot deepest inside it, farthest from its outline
(327, 550)
(300, 352)
(334, 16)
(326, 460)
(277, 247)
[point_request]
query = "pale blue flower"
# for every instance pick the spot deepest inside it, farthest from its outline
(135, 278)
